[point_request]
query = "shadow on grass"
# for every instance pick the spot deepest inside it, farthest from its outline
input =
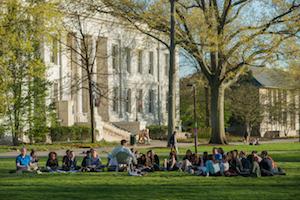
(123, 187)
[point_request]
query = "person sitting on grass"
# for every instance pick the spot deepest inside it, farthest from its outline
(70, 163)
(141, 161)
(245, 162)
(217, 155)
(205, 157)
(112, 159)
(156, 161)
(170, 164)
(186, 164)
(65, 159)
(188, 155)
(152, 161)
(225, 167)
(96, 164)
(255, 169)
(212, 167)
(235, 163)
(52, 162)
(34, 159)
(86, 162)
(23, 162)
(268, 166)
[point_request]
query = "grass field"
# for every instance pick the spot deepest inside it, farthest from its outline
(158, 185)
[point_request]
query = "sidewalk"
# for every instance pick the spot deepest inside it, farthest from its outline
(154, 144)
(101, 150)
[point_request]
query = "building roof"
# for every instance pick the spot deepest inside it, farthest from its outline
(272, 78)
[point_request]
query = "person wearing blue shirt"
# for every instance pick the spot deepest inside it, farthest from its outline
(23, 160)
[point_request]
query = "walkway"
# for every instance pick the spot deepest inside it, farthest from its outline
(154, 144)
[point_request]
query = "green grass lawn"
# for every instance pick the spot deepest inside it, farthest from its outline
(158, 185)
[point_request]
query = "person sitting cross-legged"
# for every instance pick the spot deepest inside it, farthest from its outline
(52, 162)
(34, 159)
(86, 162)
(23, 162)
(70, 163)
(65, 159)
(96, 164)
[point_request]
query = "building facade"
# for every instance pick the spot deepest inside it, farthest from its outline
(280, 98)
(130, 75)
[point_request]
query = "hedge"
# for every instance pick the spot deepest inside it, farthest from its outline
(158, 132)
(72, 133)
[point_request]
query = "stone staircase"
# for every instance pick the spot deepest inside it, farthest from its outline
(112, 133)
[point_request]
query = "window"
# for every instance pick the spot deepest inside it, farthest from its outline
(128, 101)
(128, 59)
(151, 101)
(140, 61)
(115, 99)
(151, 64)
(167, 60)
(55, 92)
(140, 101)
(115, 56)
(293, 111)
(54, 51)
(71, 43)
(284, 103)
(85, 92)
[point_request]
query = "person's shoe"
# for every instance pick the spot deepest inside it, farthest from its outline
(39, 172)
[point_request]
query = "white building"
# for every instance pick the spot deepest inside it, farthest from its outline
(131, 74)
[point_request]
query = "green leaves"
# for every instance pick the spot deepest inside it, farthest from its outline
(24, 28)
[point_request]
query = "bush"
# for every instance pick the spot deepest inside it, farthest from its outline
(72, 133)
(158, 132)
(204, 132)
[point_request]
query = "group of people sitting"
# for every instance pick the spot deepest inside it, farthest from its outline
(218, 163)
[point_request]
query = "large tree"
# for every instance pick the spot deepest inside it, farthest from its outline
(24, 27)
(224, 37)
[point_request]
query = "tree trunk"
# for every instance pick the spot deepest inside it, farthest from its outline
(207, 113)
(248, 130)
(217, 115)
(92, 113)
(171, 102)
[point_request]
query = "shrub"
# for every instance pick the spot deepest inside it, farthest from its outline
(204, 132)
(158, 132)
(72, 133)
